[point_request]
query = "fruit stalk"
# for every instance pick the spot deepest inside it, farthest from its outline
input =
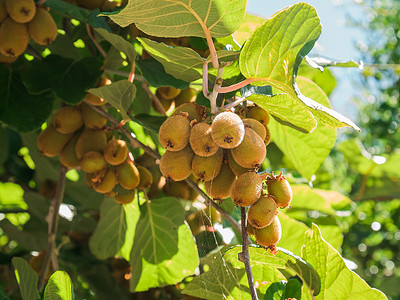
(52, 219)
(90, 33)
(155, 99)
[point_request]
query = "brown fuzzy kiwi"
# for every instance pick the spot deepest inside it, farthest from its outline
(186, 95)
(167, 105)
(279, 187)
(227, 130)
(250, 229)
(92, 161)
(3, 10)
(67, 119)
(177, 165)
(194, 111)
(246, 189)
(7, 59)
(106, 183)
(207, 168)
(116, 152)
(168, 92)
(90, 140)
(68, 155)
(258, 128)
(201, 141)
(92, 119)
(236, 168)
(42, 28)
(14, 37)
(256, 112)
(128, 175)
(51, 142)
(94, 100)
(174, 133)
(251, 152)
(269, 236)
(262, 212)
(21, 11)
(220, 187)
(124, 198)
(178, 189)
(267, 139)
(146, 179)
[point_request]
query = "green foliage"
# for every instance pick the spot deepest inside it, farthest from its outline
(59, 287)
(27, 279)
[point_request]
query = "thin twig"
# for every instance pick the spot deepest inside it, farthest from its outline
(155, 99)
(138, 77)
(244, 255)
(132, 73)
(90, 33)
(235, 103)
(52, 219)
(214, 94)
(205, 79)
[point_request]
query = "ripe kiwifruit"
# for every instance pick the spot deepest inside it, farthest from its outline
(220, 187)
(68, 155)
(92, 119)
(178, 189)
(7, 59)
(106, 183)
(227, 130)
(167, 105)
(267, 139)
(256, 112)
(261, 213)
(236, 168)
(125, 198)
(21, 11)
(246, 189)
(51, 142)
(90, 4)
(270, 235)
(177, 165)
(42, 28)
(90, 140)
(194, 111)
(186, 95)
(14, 37)
(116, 152)
(279, 187)
(128, 175)
(174, 133)
(258, 128)
(146, 179)
(94, 100)
(67, 119)
(207, 168)
(108, 5)
(201, 141)
(36, 262)
(3, 10)
(250, 229)
(168, 92)
(251, 152)
(92, 161)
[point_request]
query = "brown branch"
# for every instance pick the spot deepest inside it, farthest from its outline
(52, 219)
(90, 33)
(155, 99)
(244, 255)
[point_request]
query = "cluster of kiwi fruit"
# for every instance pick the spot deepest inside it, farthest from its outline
(19, 21)
(171, 97)
(79, 136)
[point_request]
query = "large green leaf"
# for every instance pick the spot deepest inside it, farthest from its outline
(163, 251)
(27, 279)
(178, 18)
(19, 109)
(292, 234)
(119, 43)
(283, 290)
(119, 94)
(59, 287)
(306, 198)
(114, 227)
(337, 281)
(357, 156)
(248, 25)
(32, 237)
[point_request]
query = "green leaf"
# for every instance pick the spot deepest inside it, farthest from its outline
(32, 237)
(114, 227)
(119, 94)
(27, 279)
(11, 196)
(283, 290)
(19, 109)
(308, 199)
(70, 10)
(68, 78)
(320, 63)
(248, 25)
(3, 294)
(292, 234)
(152, 123)
(119, 43)
(163, 251)
(357, 156)
(337, 281)
(59, 287)
(183, 18)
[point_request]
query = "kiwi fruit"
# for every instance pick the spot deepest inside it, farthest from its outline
(146, 179)
(279, 187)
(109, 5)
(7, 59)
(174, 133)
(267, 139)
(92, 161)
(94, 100)
(167, 105)
(259, 114)
(251, 152)
(236, 168)
(186, 95)
(269, 236)
(42, 28)
(67, 119)
(177, 165)
(219, 188)
(193, 110)
(250, 229)
(21, 11)
(14, 37)
(207, 168)
(92, 119)
(246, 189)
(128, 175)
(90, 140)
(258, 128)
(36, 263)
(51, 142)
(68, 155)
(3, 10)
(106, 183)
(116, 152)
(168, 92)
(227, 130)
(90, 4)
(178, 189)
(201, 141)
(125, 198)
(261, 213)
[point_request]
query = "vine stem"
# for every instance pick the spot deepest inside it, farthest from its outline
(214, 94)
(244, 255)
(131, 76)
(154, 97)
(90, 33)
(235, 103)
(234, 87)
(52, 219)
